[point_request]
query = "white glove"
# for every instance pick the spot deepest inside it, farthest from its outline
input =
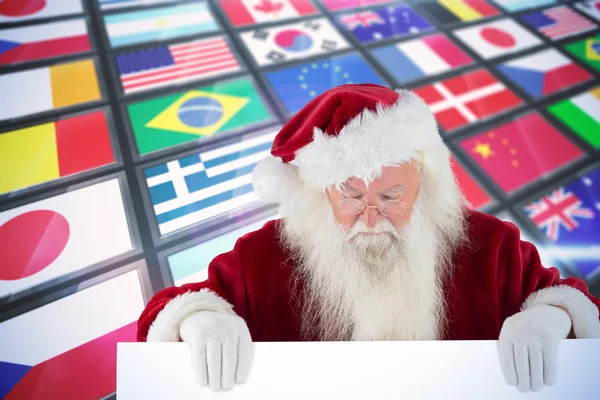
(528, 346)
(221, 347)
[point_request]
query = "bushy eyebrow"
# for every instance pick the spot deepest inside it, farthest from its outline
(392, 189)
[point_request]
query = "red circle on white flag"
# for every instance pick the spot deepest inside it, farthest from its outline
(21, 8)
(31, 242)
(498, 37)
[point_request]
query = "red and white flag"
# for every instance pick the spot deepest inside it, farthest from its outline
(23, 10)
(497, 38)
(175, 64)
(57, 236)
(467, 98)
(248, 12)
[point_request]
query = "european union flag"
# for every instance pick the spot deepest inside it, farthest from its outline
(372, 25)
(569, 216)
(296, 86)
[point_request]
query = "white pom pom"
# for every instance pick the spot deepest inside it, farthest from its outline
(275, 181)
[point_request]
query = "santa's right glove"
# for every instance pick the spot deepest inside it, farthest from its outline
(221, 348)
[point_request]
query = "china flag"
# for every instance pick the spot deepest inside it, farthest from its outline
(521, 152)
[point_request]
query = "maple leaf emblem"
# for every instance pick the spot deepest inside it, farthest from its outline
(269, 6)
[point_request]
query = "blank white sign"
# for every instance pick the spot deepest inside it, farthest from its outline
(357, 370)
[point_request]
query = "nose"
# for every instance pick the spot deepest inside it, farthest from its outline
(371, 216)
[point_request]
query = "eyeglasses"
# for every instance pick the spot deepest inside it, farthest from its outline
(389, 208)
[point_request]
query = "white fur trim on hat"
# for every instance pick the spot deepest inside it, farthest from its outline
(370, 141)
(274, 181)
(165, 327)
(584, 313)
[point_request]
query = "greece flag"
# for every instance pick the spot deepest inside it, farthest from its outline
(201, 186)
(135, 27)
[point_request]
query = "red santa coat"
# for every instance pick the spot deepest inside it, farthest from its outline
(491, 282)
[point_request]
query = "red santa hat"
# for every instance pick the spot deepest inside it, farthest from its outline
(351, 131)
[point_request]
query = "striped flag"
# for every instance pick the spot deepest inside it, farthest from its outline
(43, 41)
(581, 113)
(43, 89)
(558, 22)
(163, 23)
(191, 265)
(46, 152)
(178, 63)
(67, 349)
(467, 98)
(197, 188)
(419, 58)
(112, 4)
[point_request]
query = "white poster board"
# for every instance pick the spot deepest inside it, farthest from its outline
(357, 370)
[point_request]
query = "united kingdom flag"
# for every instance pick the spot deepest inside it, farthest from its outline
(362, 19)
(561, 208)
(569, 216)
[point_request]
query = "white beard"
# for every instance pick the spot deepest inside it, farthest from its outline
(382, 287)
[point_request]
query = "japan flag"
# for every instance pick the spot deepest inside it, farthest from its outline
(497, 38)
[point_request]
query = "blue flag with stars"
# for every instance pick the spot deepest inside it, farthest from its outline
(569, 216)
(384, 23)
(298, 85)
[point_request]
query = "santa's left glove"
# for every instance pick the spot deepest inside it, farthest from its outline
(528, 346)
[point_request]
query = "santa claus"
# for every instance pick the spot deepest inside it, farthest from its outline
(375, 242)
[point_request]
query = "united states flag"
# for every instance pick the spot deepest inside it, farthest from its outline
(178, 63)
(561, 208)
(558, 22)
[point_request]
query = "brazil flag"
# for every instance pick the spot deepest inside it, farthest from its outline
(199, 113)
(587, 50)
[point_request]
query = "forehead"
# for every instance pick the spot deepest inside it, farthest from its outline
(403, 174)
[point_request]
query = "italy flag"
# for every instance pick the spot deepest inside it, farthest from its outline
(581, 113)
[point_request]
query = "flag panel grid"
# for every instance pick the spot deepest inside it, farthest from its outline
(196, 191)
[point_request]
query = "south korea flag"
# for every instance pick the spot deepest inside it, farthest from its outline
(294, 41)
